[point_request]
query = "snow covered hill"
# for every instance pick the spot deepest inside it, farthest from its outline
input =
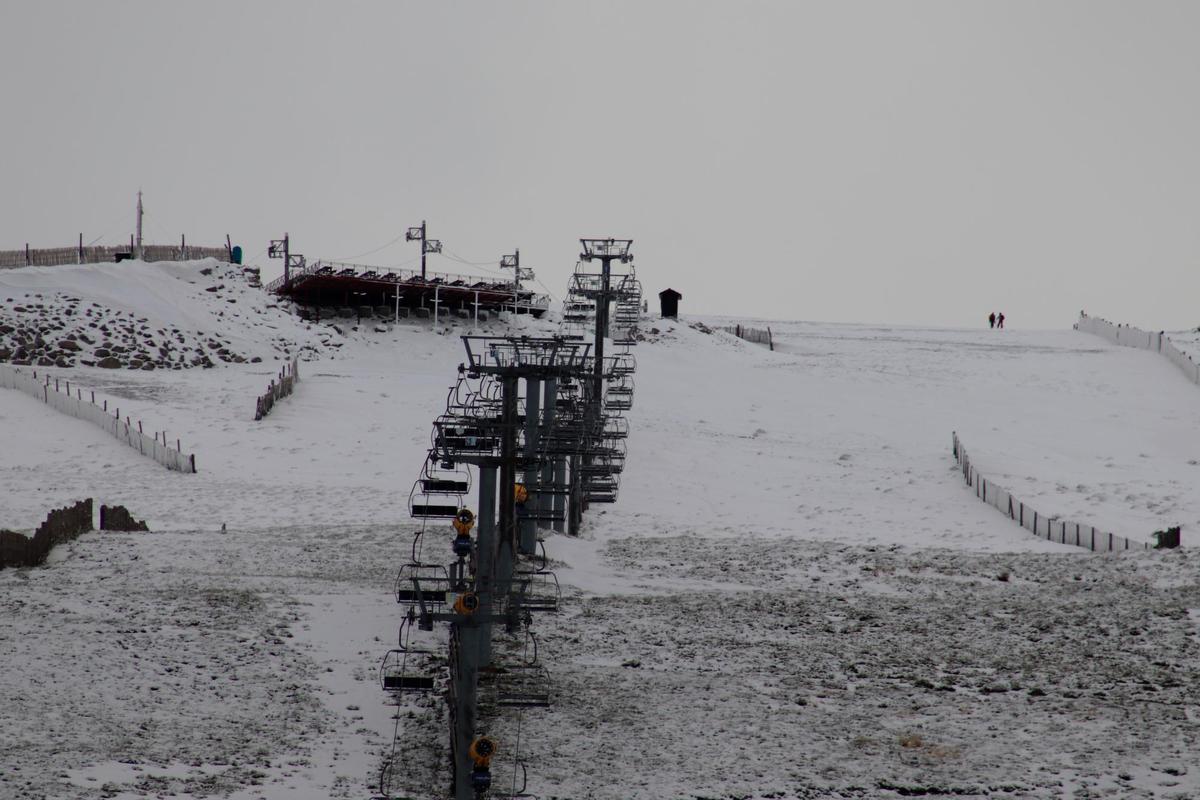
(795, 595)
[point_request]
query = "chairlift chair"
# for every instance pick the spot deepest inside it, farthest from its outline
(426, 585)
(523, 686)
(401, 671)
(533, 591)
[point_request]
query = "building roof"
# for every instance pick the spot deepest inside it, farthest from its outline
(668, 292)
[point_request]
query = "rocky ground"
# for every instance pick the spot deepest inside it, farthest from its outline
(62, 329)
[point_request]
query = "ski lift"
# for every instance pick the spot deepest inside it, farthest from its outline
(523, 686)
(422, 585)
(534, 591)
(396, 673)
(431, 494)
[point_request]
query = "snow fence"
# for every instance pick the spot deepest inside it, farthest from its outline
(1128, 336)
(75, 405)
(58, 256)
(1052, 529)
(289, 376)
(756, 335)
(61, 525)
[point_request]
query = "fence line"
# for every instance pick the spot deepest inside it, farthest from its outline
(1051, 529)
(73, 403)
(289, 376)
(61, 525)
(756, 335)
(1128, 336)
(59, 256)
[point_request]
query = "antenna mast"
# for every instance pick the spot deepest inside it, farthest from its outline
(137, 252)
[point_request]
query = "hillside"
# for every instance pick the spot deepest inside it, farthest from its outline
(795, 595)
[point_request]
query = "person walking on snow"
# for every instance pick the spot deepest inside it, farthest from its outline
(992, 320)
(1000, 320)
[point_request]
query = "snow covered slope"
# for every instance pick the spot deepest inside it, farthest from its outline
(795, 595)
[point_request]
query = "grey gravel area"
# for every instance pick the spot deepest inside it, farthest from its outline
(836, 671)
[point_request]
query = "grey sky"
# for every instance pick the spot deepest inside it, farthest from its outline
(874, 162)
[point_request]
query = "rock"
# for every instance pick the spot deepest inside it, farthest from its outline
(256, 360)
(69, 344)
(5, 354)
(102, 352)
(149, 365)
(45, 362)
(109, 362)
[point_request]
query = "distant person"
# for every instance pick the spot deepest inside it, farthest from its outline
(992, 320)
(1000, 320)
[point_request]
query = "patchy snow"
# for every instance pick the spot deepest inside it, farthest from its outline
(795, 595)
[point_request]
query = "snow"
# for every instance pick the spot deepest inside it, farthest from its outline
(794, 596)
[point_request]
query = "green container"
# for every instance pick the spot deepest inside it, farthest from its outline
(235, 254)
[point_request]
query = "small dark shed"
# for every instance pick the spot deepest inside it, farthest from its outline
(669, 300)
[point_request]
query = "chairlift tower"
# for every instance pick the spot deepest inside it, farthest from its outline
(606, 251)
(427, 245)
(279, 248)
(492, 445)
(520, 273)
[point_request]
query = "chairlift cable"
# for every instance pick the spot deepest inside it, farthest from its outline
(372, 252)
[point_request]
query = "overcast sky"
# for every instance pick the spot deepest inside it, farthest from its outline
(845, 161)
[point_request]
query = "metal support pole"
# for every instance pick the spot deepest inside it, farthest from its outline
(547, 502)
(436, 289)
(137, 252)
(506, 554)
(422, 251)
(560, 499)
(575, 503)
(465, 676)
(533, 400)
(485, 556)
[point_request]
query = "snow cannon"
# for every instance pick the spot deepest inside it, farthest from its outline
(466, 604)
(481, 752)
(464, 520)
